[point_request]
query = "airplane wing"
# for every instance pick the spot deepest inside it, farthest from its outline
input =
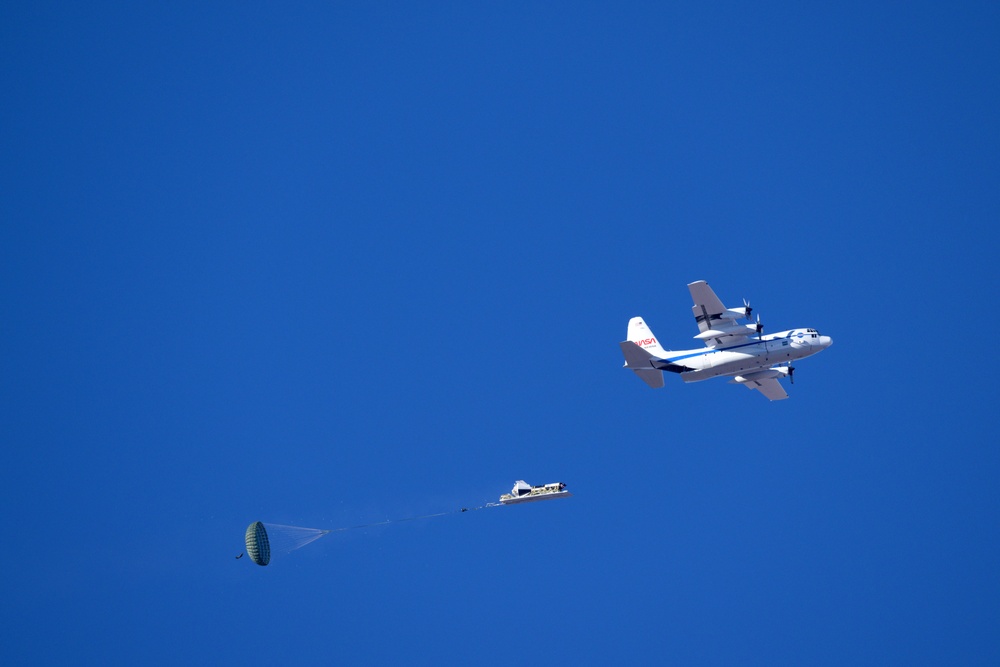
(715, 322)
(770, 387)
(707, 307)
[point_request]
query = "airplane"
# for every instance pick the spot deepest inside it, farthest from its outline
(739, 351)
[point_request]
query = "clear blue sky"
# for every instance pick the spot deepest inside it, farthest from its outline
(337, 262)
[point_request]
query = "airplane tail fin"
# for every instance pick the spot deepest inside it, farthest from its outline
(641, 335)
(644, 355)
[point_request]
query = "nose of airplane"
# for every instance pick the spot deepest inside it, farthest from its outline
(825, 341)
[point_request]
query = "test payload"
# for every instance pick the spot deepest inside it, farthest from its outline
(526, 493)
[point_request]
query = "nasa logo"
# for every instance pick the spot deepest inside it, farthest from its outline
(646, 341)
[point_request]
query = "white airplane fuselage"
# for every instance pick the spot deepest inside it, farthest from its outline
(750, 356)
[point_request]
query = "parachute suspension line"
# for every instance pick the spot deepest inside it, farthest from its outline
(266, 539)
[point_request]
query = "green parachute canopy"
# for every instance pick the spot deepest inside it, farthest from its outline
(265, 539)
(258, 545)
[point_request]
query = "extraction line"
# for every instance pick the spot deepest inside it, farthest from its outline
(413, 518)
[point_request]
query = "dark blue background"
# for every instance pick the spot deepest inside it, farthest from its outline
(335, 263)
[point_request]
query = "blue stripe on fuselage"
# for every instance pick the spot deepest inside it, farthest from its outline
(724, 349)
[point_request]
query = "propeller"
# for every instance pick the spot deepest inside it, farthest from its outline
(760, 327)
(791, 374)
(746, 309)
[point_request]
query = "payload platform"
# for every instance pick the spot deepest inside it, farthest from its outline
(526, 493)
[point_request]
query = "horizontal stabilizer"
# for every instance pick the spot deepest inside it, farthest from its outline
(640, 361)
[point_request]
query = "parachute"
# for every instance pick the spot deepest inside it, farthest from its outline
(265, 539)
(258, 545)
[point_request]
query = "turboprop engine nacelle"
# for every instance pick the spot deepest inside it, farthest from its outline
(739, 330)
